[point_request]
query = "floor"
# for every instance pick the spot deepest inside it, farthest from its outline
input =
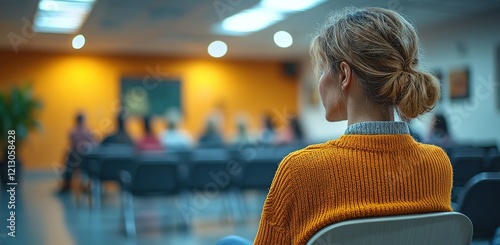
(44, 217)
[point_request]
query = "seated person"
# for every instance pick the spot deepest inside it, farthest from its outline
(175, 139)
(291, 133)
(268, 135)
(242, 136)
(368, 60)
(81, 142)
(149, 142)
(120, 136)
(439, 134)
(211, 137)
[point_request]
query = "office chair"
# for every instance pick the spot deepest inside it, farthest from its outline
(480, 201)
(149, 176)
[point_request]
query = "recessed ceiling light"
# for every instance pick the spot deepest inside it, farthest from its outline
(217, 49)
(78, 41)
(251, 20)
(262, 15)
(61, 16)
(283, 39)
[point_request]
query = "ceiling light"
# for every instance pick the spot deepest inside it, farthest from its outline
(61, 16)
(262, 15)
(217, 49)
(78, 41)
(251, 20)
(283, 39)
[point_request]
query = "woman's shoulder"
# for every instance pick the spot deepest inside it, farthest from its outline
(306, 155)
(311, 149)
(433, 149)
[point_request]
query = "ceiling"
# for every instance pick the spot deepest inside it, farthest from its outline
(184, 27)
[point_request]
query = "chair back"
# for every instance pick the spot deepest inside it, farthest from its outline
(209, 169)
(480, 201)
(493, 164)
(283, 150)
(414, 229)
(258, 172)
(155, 175)
(465, 167)
(111, 165)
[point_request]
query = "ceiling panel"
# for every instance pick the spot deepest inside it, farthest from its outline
(184, 27)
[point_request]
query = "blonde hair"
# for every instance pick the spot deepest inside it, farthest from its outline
(382, 49)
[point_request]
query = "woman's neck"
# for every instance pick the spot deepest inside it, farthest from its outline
(368, 112)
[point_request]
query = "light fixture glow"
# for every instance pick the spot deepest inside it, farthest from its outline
(283, 39)
(295, 5)
(78, 41)
(48, 5)
(217, 49)
(262, 15)
(61, 16)
(251, 20)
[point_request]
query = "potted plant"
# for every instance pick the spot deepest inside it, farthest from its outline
(17, 117)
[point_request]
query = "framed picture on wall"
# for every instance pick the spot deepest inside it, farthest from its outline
(459, 83)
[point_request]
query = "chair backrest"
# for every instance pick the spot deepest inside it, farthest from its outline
(493, 164)
(283, 150)
(209, 154)
(480, 200)
(113, 159)
(209, 169)
(154, 175)
(430, 229)
(258, 172)
(465, 167)
(454, 151)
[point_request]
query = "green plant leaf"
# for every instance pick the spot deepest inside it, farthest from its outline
(21, 132)
(18, 111)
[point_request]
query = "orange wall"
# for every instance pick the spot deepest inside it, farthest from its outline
(66, 83)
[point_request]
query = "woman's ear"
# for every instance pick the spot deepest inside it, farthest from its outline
(345, 75)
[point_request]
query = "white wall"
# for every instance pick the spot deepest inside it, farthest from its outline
(472, 43)
(469, 43)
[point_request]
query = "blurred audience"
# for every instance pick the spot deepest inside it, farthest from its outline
(175, 139)
(242, 136)
(81, 143)
(211, 137)
(120, 136)
(268, 134)
(149, 142)
(291, 133)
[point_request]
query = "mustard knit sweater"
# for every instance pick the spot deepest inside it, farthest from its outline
(375, 169)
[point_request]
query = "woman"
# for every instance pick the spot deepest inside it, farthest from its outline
(368, 64)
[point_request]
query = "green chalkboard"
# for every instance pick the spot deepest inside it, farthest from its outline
(150, 97)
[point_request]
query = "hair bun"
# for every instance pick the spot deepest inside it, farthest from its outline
(419, 92)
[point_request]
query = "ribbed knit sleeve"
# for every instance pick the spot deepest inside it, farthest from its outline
(274, 227)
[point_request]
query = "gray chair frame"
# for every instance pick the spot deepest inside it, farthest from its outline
(414, 229)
